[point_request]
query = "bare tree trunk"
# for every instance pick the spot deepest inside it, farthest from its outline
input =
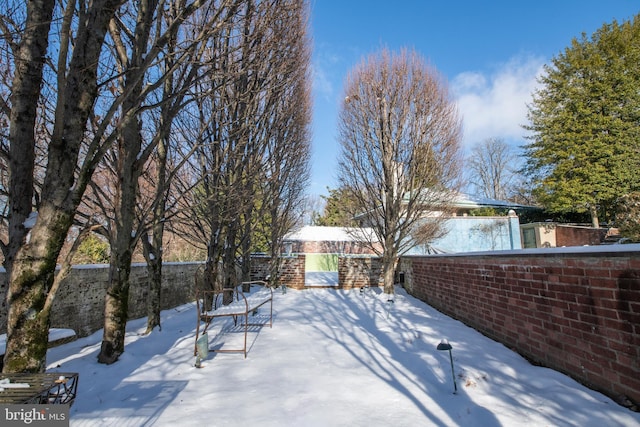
(129, 167)
(154, 297)
(212, 272)
(153, 249)
(153, 253)
(117, 297)
(245, 266)
(230, 278)
(389, 261)
(116, 307)
(31, 261)
(277, 229)
(593, 211)
(27, 323)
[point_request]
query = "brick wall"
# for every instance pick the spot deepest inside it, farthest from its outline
(354, 272)
(330, 247)
(79, 304)
(579, 236)
(291, 270)
(575, 311)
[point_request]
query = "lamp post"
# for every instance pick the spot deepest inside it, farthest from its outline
(390, 303)
(444, 345)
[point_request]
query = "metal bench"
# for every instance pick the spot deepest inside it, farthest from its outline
(42, 388)
(237, 303)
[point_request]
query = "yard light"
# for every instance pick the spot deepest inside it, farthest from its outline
(444, 345)
(390, 303)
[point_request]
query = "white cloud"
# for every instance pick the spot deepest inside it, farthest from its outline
(495, 105)
(323, 70)
(321, 82)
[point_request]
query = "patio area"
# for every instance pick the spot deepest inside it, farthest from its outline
(332, 358)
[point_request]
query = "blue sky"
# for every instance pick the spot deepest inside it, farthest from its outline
(490, 52)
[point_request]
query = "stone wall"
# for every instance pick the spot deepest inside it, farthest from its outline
(79, 304)
(575, 310)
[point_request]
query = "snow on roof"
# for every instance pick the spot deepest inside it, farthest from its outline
(312, 233)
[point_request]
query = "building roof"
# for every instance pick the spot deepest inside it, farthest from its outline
(312, 233)
(465, 201)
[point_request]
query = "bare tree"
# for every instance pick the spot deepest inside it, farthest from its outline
(285, 170)
(226, 124)
(182, 66)
(139, 41)
(399, 131)
(492, 168)
(32, 248)
(83, 111)
(249, 124)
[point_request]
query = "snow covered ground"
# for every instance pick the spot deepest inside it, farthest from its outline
(332, 358)
(321, 278)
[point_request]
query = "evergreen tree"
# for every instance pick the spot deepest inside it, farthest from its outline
(336, 213)
(585, 119)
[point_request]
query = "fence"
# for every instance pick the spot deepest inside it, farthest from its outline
(576, 311)
(79, 303)
(573, 310)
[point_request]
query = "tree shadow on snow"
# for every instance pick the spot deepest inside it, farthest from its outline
(391, 348)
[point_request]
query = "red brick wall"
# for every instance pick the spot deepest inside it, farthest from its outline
(291, 270)
(578, 313)
(353, 272)
(579, 236)
(359, 272)
(330, 247)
